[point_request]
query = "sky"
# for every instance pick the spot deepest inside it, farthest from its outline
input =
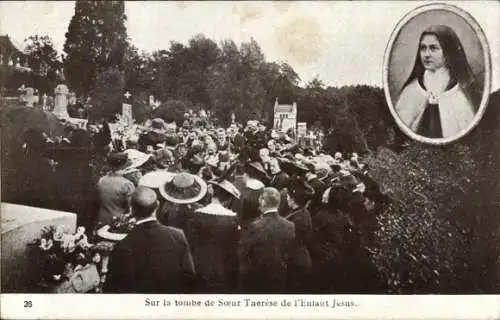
(342, 43)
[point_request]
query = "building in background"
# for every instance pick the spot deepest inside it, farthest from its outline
(285, 116)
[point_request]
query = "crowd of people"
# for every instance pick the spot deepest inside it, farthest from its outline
(242, 209)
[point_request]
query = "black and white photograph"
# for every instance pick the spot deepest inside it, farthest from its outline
(315, 151)
(438, 72)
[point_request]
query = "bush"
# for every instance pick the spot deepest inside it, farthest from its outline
(441, 234)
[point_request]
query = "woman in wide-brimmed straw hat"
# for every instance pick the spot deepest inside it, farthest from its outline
(213, 237)
(137, 159)
(182, 194)
(156, 180)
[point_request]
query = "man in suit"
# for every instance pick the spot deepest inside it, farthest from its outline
(265, 247)
(153, 258)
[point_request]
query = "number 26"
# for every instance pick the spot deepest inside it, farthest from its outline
(28, 304)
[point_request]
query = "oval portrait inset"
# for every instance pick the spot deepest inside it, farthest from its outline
(437, 73)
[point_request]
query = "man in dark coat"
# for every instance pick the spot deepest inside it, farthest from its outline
(153, 258)
(265, 248)
(247, 208)
(213, 241)
(279, 180)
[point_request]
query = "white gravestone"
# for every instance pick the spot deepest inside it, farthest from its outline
(127, 109)
(61, 101)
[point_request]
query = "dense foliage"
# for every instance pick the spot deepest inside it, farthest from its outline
(107, 94)
(441, 234)
(96, 40)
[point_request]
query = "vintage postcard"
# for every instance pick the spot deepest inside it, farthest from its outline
(250, 159)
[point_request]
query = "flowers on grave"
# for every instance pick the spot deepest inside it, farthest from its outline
(122, 224)
(61, 253)
(124, 130)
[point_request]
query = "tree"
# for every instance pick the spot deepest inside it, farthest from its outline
(107, 94)
(235, 83)
(96, 40)
(43, 61)
(180, 73)
(137, 70)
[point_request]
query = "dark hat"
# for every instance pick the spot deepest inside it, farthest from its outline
(197, 148)
(171, 141)
(158, 123)
(335, 167)
(184, 188)
(258, 168)
(197, 160)
(118, 160)
(224, 156)
(348, 181)
(193, 163)
(300, 190)
(227, 186)
(292, 167)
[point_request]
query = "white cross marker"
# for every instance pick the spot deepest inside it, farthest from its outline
(127, 95)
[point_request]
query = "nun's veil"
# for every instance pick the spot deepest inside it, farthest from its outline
(456, 61)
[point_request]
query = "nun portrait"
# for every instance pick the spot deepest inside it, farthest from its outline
(440, 98)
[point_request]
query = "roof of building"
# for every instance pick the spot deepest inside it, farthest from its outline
(7, 47)
(284, 108)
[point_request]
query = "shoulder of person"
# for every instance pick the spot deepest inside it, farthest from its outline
(412, 89)
(176, 232)
(287, 223)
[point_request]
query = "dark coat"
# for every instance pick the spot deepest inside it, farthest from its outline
(319, 188)
(152, 259)
(300, 262)
(247, 207)
(264, 251)
(213, 241)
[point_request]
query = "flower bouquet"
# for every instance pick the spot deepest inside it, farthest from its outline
(118, 229)
(68, 260)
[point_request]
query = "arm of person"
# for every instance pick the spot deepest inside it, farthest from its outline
(186, 263)
(127, 191)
